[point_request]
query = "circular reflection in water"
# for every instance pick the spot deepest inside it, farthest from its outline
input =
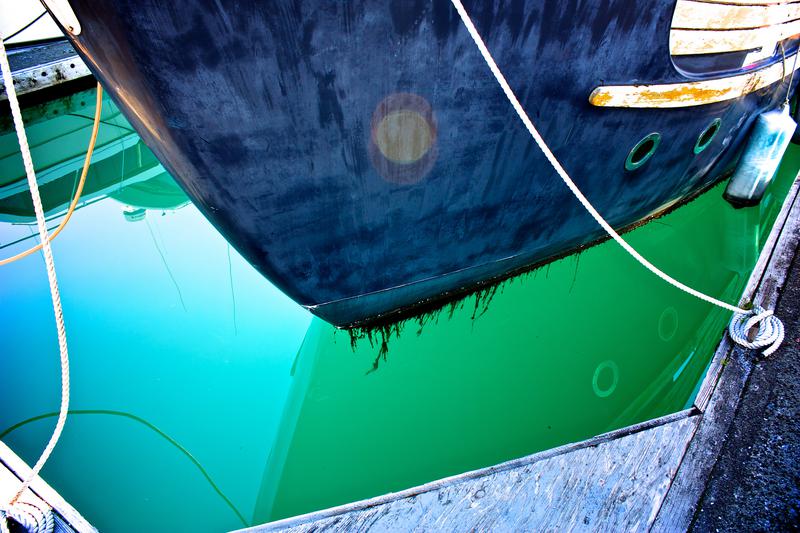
(668, 324)
(605, 379)
(402, 145)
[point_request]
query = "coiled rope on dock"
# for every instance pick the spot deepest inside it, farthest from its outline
(769, 333)
(31, 513)
(25, 508)
(770, 330)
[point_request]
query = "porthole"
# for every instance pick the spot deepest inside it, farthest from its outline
(643, 151)
(605, 379)
(707, 136)
(668, 324)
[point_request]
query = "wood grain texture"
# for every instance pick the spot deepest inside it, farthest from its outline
(616, 485)
(8, 487)
(646, 477)
(770, 248)
(688, 42)
(679, 505)
(719, 397)
(690, 14)
(13, 469)
(43, 76)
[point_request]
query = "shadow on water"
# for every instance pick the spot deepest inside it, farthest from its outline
(146, 316)
(587, 344)
(380, 330)
(289, 413)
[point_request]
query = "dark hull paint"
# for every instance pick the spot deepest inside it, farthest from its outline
(265, 112)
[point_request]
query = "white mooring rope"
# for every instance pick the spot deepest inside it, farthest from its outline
(770, 328)
(51, 277)
(30, 512)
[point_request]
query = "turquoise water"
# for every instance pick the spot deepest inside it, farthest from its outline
(207, 400)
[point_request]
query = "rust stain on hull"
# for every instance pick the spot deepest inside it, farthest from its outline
(691, 93)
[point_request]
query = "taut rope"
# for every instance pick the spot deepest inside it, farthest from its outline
(770, 328)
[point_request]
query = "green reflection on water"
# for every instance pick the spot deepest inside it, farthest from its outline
(169, 325)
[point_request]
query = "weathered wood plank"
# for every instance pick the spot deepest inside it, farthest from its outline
(688, 42)
(680, 504)
(634, 478)
(770, 248)
(617, 483)
(691, 14)
(8, 484)
(46, 75)
(13, 470)
(689, 93)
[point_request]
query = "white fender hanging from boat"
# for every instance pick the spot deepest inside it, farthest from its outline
(759, 162)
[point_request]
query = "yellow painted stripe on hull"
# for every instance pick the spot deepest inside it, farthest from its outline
(688, 94)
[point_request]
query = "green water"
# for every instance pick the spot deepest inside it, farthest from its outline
(203, 394)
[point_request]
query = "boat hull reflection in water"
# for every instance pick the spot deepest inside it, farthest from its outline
(207, 400)
(365, 160)
(58, 132)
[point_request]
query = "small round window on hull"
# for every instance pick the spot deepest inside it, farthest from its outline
(708, 134)
(642, 151)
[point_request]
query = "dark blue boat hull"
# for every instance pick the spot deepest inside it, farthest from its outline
(280, 121)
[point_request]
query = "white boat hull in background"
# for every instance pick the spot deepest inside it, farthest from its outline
(15, 14)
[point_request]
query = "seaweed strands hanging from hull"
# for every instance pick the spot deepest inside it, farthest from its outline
(476, 301)
(380, 335)
(371, 186)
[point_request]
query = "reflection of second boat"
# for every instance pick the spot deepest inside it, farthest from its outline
(122, 167)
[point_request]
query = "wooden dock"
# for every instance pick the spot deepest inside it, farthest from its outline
(13, 470)
(647, 477)
(42, 66)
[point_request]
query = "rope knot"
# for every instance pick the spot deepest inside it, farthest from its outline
(33, 514)
(769, 333)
